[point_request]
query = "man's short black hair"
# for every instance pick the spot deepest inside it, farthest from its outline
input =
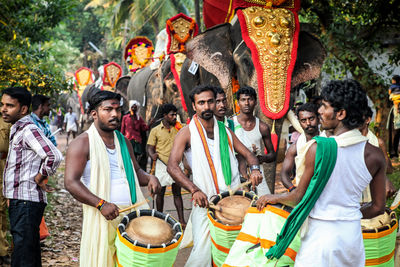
(350, 96)
(202, 88)
(99, 96)
(396, 79)
(167, 108)
(368, 113)
(246, 90)
(219, 90)
(38, 100)
(22, 94)
(310, 107)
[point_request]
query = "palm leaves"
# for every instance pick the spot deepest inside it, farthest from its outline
(140, 14)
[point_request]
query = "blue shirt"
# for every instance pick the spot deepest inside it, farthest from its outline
(44, 126)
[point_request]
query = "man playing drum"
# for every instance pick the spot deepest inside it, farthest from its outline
(210, 149)
(336, 171)
(308, 118)
(111, 178)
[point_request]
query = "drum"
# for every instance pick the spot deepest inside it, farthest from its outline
(258, 234)
(379, 235)
(147, 238)
(224, 227)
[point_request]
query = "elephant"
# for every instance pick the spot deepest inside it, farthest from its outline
(222, 54)
(152, 88)
(121, 87)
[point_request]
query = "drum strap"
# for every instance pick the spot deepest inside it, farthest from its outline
(126, 158)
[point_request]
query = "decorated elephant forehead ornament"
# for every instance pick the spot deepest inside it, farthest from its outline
(138, 53)
(270, 29)
(112, 72)
(83, 77)
(180, 30)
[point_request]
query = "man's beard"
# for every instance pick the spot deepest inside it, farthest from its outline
(207, 115)
(311, 129)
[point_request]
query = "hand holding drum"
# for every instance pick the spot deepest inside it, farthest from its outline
(255, 177)
(200, 199)
(109, 211)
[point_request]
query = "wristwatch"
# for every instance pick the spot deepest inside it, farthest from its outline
(255, 167)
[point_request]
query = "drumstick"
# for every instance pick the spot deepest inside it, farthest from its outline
(241, 185)
(228, 211)
(136, 205)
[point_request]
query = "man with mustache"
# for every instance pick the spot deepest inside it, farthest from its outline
(210, 148)
(253, 133)
(308, 118)
(101, 171)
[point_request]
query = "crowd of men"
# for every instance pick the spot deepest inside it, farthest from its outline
(105, 169)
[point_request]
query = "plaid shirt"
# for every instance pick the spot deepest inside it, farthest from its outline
(29, 153)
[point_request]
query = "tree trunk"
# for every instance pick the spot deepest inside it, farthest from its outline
(197, 12)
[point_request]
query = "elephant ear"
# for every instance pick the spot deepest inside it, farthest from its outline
(212, 50)
(310, 58)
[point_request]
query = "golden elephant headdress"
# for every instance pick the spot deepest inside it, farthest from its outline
(138, 53)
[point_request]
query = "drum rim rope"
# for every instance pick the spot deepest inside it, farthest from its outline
(176, 226)
(386, 227)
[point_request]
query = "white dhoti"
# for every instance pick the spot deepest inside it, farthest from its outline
(262, 188)
(71, 127)
(201, 251)
(336, 243)
(162, 174)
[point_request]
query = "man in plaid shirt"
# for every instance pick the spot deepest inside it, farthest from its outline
(32, 157)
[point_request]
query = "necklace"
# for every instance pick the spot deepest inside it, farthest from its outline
(111, 151)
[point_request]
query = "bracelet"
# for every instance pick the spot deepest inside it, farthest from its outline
(254, 167)
(290, 189)
(100, 204)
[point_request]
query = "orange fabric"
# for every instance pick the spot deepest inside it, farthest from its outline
(264, 244)
(380, 260)
(146, 250)
(219, 247)
(44, 231)
(380, 234)
(207, 151)
(223, 226)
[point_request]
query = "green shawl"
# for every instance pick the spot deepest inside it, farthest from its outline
(325, 160)
(126, 158)
(224, 153)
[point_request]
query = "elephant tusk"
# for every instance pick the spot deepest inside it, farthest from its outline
(216, 54)
(294, 121)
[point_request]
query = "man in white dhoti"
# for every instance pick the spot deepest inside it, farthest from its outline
(253, 133)
(159, 145)
(329, 191)
(307, 115)
(70, 123)
(210, 149)
(111, 179)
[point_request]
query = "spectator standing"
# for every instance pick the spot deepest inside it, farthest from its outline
(70, 124)
(159, 147)
(31, 159)
(132, 127)
(41, 108)
(394, 95)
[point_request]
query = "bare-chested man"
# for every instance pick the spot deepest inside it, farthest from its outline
(101, 172)
(253, 133)
(210, 148)
(308, 118)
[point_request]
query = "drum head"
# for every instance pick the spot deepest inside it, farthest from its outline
(149, 230)
(235, 203)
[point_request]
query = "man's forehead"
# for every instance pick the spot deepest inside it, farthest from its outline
(110, 102)
(221, 96)
(206, 95)
(306, 114)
